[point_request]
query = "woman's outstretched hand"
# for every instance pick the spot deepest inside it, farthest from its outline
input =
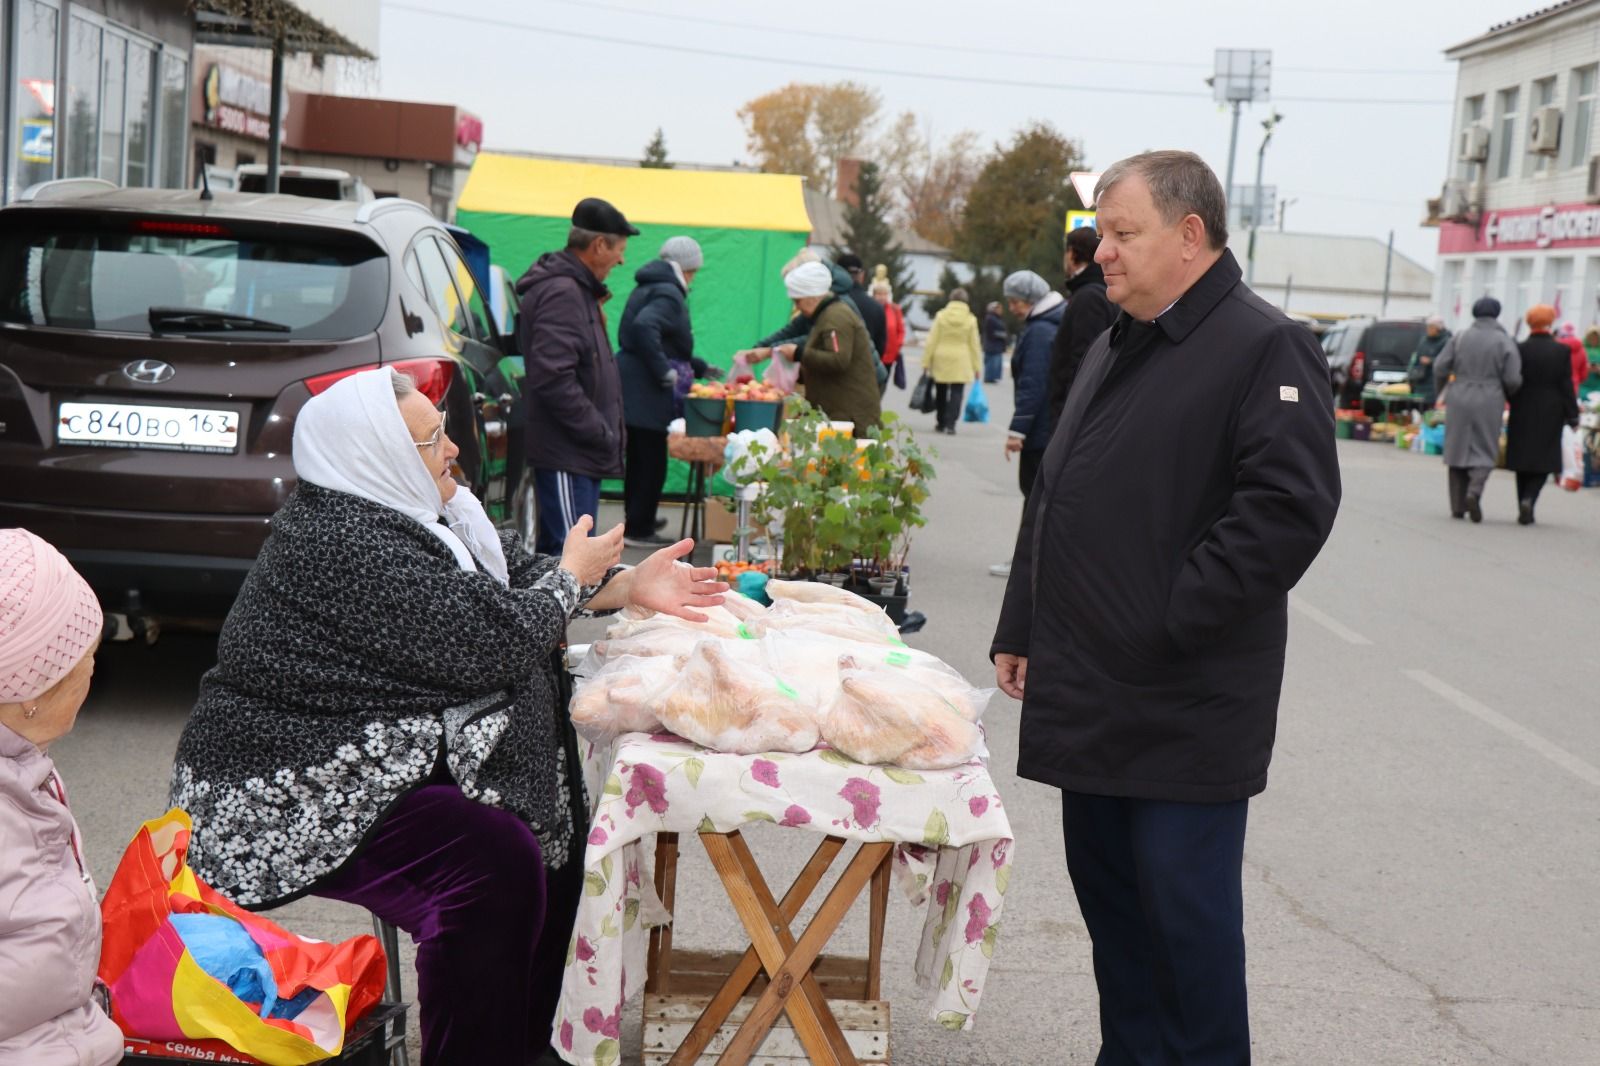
(589, 558)
(663, 584)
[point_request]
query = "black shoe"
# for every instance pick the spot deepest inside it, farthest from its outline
(661, 523)
(1524, 513)
(950, 430)
(653, 541)
(1458, 514)
(1474, 511)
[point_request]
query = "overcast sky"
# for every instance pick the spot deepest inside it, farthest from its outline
(561, 76)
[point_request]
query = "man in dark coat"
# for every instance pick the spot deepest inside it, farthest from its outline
(1088, 314)
(572, 391)
(1190, 483)
(871, 310)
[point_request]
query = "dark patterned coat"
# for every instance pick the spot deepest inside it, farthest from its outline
(358, 658)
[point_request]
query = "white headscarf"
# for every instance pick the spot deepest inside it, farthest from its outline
(808, 279)
(352, 438)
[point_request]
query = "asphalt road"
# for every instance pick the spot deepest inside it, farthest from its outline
(1422, 877)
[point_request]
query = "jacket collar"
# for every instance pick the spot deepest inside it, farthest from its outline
(1190, 309)
(1047, 303)
(1089, 275)
(22, 760)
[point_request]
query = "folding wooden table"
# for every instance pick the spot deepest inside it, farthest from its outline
(785, 973)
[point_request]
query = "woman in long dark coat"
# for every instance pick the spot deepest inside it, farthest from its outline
(1539, 409)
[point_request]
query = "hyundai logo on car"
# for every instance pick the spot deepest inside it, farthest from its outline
(148, 371)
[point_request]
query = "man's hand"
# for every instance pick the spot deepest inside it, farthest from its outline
(1011, 674)
(1013, 445)
(664, 585)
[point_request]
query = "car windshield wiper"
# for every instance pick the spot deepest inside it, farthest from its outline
(201, 319)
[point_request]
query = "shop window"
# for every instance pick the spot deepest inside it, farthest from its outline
(34, 152)
(83, 99)
(174, 112)
(1583, 93)
(113, 86)
(1506, 108)
(141, 88)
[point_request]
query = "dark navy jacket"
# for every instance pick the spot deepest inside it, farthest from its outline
(654, 339)
(1030, 376)
(572, 393)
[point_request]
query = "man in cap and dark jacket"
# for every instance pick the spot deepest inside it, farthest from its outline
(1190, 482)
(572, 391)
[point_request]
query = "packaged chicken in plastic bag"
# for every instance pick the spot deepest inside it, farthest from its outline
(884, 714)
(621, 696)
(727, 698)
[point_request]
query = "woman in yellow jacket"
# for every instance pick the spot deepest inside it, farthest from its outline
(952, 356)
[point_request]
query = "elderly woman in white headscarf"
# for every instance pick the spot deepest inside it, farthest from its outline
(838, 363)
(387, 723)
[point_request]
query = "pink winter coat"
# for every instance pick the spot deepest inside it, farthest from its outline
(49, 923)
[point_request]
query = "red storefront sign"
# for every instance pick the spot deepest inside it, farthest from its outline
(1524, 229)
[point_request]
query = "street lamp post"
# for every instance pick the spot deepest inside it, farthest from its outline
(1242, 76)
(1268, 124)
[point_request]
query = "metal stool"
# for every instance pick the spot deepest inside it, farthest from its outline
(389, 937)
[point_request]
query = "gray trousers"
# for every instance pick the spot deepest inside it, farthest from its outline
(1467, 481)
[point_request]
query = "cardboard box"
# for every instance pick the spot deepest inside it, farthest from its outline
(720, 524)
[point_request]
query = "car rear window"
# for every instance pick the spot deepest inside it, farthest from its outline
(1393, 343)
(105, 274)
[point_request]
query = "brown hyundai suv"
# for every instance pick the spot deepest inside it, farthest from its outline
(155, 346)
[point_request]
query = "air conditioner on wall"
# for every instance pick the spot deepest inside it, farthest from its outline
(1474, 144)
(1455, 202)
(1544, 131)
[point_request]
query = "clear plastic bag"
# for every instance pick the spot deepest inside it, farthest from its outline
(622, 695)
(884, 715)
(726, 697)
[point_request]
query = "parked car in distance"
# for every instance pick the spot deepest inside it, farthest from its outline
(155, 347)
(318, 183)
(1369, 351)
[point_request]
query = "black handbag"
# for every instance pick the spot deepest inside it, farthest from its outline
(922, 398)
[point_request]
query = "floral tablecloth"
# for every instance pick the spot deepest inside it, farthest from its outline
(953, 859)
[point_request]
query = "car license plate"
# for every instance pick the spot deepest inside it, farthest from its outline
(1388, 377)
(123, 425)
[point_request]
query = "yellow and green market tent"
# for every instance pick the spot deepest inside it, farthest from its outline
(748, 226)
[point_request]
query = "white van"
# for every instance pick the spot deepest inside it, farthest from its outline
(320, 183)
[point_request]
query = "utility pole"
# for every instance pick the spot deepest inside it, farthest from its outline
(1388, 265)
(1288, 291)
(1268, 124)
(1283, 209)
(275, 134)
(1233, 148)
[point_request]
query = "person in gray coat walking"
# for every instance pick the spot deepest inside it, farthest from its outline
(1477, 370)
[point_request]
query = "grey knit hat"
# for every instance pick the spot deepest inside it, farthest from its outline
(685, 251)
(1026, 286)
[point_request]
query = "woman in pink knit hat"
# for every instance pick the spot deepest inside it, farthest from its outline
(49, 922)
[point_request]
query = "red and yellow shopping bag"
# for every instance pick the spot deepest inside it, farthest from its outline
(160, 990)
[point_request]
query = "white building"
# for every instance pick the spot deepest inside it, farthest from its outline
(1333, 276)
(1519, 215)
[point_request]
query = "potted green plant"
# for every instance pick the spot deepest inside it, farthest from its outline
(843, 511)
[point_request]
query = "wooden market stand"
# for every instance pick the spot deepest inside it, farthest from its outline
(723, 1005)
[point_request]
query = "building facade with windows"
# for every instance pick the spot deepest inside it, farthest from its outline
(94, 88)
(1519, 213)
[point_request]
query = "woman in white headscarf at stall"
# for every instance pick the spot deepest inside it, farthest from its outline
(387, 722)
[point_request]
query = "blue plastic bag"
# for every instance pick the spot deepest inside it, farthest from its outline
(977, 404)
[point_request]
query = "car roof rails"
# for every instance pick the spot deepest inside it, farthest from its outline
(66, 189)
(372, 208)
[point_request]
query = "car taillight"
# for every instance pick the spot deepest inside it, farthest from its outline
(1358, 367)
(160, 227)
(433, 376)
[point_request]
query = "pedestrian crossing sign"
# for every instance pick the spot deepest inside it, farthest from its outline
(1076, 219)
